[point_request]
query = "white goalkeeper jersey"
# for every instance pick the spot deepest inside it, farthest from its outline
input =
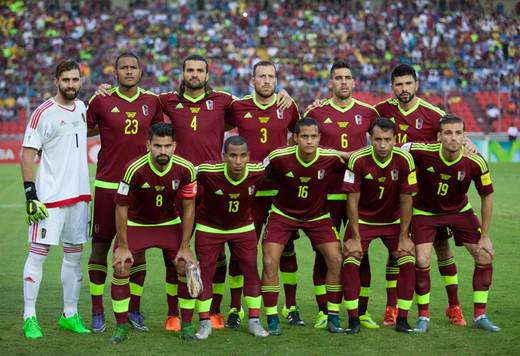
(61, 135)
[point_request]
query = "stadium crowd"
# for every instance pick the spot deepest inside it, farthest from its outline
(452, 44)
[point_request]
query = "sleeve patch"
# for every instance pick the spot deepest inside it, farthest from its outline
(123, 188)
(412, 178)
(486, 179)
(349, 176)
(407, 147)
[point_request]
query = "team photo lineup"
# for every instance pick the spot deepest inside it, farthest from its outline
(192, 169)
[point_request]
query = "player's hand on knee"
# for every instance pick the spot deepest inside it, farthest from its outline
(406, 247)
(485, 246)
(35, 211)
(352, 248)
(103, 89)
(122, 260)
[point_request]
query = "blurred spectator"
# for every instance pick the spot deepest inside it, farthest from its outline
(512, 132)
(492, 112)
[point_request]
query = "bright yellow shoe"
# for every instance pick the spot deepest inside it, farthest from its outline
(367, 321)
(172, 323)
(321, 321)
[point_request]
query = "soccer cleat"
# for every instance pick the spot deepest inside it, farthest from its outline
(390, 316)
(333, 324)
(172, 323)
(217, 321)
(367, 321)
(292, 314)
(234, 318)
(31, 328)
(422, 325)
(119, 335)
(136, 319)
(187, 332)
(256, 329)
(482, 322)
(273, 325)
(354, 326)
(402, 325)
(454, 312)
(194, 281)
(73, 323)
(98, 323)
(321, 320)
(204, 329)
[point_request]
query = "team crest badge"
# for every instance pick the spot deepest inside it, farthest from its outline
(461, 175)
(394, 174)
(251, 190)
(209, 104)
(321, 174)
(418, 123)
(359, 119)
(279, 114)
(145, 110)
(175, 184)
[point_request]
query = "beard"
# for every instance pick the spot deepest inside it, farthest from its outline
(68, 94)
(190, 86)
(162, 160)
(410, 98)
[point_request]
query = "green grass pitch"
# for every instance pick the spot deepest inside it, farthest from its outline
(441, 339)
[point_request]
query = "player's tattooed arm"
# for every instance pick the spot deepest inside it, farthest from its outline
(122, 258)
(352, 246)
(406, 246)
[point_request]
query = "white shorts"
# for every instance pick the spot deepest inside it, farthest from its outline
(68, 223)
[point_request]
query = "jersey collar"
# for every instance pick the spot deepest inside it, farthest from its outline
(266, 106)
(307, 164)
(192, 99)
(450, 163)
(378, 162)
(231, 180)
(411, 110)
(127, 98)
(342, 109)
(155, 170)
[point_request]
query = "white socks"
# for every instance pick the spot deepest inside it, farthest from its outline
(71, 277)
(32, 277)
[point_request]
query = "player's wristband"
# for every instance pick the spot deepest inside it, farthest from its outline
(30, 191)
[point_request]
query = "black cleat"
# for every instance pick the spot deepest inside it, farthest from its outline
(354, 326)
(402, 325)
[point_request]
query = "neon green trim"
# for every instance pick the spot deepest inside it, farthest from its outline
(127, 98)
(120, 306)
(105, 185)
(450, 280)
(127, 177)
(236, 281)
(422, 299)
(311, 162)
(187, 303)
(290, 278)
(253, 302)
(406, 155)
(333, 287)
(192, 99)
(480, 296)
(391, 270)
(364, 292)
(96, 267)
(279, 212)
(432, 107)
(136, 289)
(378, 162)
(466, 207)
(446, 262)
(172, 289)
(264, 106)
(203, 306)
(186, 164)
(351, 304)
(404, 304)
(231, 180)
(411, 110)
(450, 163)
(340, 108)
(361, 221)
(320, 289)
(271, 310)
(333, 307)
(213, 230)
(337, 196)
(120, 281)
(218, 288)
(175, 221)
(391, 284)
(155, 170)
(138, 268)
(358, 154)
(352, 260)
(404, 260)
(266, 193)
(96, 289)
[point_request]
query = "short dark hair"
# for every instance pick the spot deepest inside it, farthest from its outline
(264, 64)
(384, 124)
(195, 57)
(450, 119)
(65, 66)
(161, 129)
(235, 140)
(402, 70)
(338, 65)
(306, 121)
(127, 55)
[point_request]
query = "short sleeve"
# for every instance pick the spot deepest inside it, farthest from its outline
(352, 178)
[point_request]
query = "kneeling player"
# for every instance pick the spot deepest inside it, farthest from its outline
(146, 217)
(224, 215)
(380, 181)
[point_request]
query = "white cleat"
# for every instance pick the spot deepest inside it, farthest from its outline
(256, 329)
(204, 330)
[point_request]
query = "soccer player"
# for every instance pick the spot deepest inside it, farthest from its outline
(417, 121)
(224, 215)
(444, 174)
(57, 196)
(265, 125)
(122, 119)
(302, 173)
(380, 181)
(146, 217)
(344, 123)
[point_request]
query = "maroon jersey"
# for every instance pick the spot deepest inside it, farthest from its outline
(225, 204)
(443, 185)
(302, 185)
(123, 124)
(380, 184)
(150, 194)
(199, 123)
(265, 127)
(419, 123)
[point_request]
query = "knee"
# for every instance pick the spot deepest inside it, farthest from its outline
(442, 249)
(422, 260)
(482, 257)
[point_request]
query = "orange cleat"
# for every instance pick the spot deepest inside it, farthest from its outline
(172, 323)
(390, 316)
(217, 321)
(454, 312)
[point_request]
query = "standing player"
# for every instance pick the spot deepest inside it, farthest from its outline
(57, 196)
(122, 120)
(380, 181)
(265, 125)
(224, 215)
(417, 121)
(146, 217)
(444, 174)
(302, 172)
(344, 123)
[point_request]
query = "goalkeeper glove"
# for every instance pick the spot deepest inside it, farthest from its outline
(35, 210)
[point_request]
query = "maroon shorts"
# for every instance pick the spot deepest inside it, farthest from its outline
(168, 238)
(103, 224)
(338, 212)
(389, 234)
(464, 226)
(280, 229)
(242, 245)
(260, 210)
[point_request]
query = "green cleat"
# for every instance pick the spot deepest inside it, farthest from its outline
(187, 332)
(73, 323)
(367, 321)
(321, 321)
(120, 334)
(273, 325)
(31, 328)
(333, 324)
